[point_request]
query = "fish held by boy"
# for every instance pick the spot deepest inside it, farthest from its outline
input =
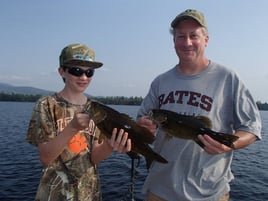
(189, 127)
(106, 118)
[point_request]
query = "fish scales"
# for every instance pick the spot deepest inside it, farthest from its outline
(189, 127)
(106, 119)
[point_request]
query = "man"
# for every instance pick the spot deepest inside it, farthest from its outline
(67, 139)
(197, 86)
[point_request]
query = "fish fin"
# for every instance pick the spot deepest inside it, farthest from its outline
(150, 155)
(205, 120)
(145, 135)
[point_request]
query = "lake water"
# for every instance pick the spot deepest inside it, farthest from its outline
(20, 168)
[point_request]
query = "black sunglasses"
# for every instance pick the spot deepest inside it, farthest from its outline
(76, 71)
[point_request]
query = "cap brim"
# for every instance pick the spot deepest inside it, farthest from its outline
(183, 17)
(90, 64)
(180, 18)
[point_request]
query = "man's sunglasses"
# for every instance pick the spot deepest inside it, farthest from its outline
(76, 71)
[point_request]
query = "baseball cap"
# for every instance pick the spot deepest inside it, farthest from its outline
(79, 55)
(190, 13)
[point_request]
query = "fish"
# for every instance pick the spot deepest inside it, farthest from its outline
(189, 127)
(107, 118)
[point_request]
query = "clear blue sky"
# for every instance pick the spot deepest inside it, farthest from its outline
(131, 38)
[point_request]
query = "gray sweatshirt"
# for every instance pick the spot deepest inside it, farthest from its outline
(192, 174)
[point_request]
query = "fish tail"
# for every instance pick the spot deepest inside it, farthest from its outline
(156, 157)
(151, 156)
(159, 158)
(224, 138)
(148, 162)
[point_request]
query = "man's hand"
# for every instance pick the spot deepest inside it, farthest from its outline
(212, 146)
(144, 121)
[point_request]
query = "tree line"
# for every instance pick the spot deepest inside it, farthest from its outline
(111, 100)
(262, 106)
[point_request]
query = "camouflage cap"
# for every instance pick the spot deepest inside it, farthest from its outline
(79, 55)
(190, 13)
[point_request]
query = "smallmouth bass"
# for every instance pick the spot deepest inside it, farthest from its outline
(189, 127)
(106, 119)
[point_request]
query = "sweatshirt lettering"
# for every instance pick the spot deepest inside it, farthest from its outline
(191, 98)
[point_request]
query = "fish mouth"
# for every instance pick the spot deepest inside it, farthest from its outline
(96, 115)
(159, 119)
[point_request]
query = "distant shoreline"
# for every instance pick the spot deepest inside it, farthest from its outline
(110, 100)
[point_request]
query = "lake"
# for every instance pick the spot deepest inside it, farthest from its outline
(20, 168)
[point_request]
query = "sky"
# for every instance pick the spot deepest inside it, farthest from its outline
(131, 38)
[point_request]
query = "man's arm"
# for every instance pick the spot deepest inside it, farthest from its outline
(214, 147)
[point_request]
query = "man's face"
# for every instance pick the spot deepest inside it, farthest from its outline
(190, 40)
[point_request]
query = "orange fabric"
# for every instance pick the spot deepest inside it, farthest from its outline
(152, 197)
(225, 197)
(78, 143)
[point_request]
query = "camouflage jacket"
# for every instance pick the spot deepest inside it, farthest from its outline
(72, 176)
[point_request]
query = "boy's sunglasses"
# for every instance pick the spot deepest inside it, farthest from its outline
(76, 71)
